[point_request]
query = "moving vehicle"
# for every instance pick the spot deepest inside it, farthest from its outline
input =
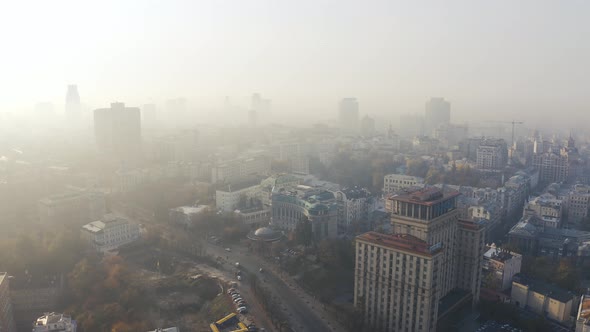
(228, 249)
(237, 264)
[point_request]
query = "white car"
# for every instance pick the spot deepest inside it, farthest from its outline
(239, 278)
(228, 249)
(238, 299)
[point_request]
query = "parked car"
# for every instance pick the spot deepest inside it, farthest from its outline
(237, 299)
(228, 249)
(239, 278)
(237, 264)
(242, 310)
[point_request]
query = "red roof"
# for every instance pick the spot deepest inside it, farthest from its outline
(403, 242)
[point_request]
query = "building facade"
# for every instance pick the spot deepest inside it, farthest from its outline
(78, 206)
(583, 316)
(435, 254)
(396, 281)
(393, 183)
(293, 206)
(542, 298)
(491, 155)
(110, 233)
(500, 267)
(118, 130)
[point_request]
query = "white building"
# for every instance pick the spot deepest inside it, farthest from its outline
(547, 207)
(227, 199)
(53, 322)
(240, 168)
(110, 232)
(502, 265)
(186, 215)
(393, 183)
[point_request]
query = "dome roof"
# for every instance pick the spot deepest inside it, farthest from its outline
(264, 231)
(265, 234)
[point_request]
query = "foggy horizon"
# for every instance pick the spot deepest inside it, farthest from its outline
(487, 59)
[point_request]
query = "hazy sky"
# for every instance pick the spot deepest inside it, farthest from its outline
(483, 56)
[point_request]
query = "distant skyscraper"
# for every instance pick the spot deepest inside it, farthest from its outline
(118, 130)
(367, 126)
(438, 111)
(349, 115)
(73, 107)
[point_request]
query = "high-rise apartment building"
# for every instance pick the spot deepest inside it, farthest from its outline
(438, 112)
(6, 314)
(401, 279)
(73, 107)
(118, 130)
(349, 115)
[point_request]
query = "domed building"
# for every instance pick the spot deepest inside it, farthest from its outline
(262, 239)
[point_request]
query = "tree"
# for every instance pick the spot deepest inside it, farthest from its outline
(303, 232)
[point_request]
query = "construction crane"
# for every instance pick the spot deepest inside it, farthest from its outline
(509, 122)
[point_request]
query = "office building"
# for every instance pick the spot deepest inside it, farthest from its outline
(118, 130)
(438, 112)
(109, 233)
(6, 314)
(260, 108)
(430, 265)
(542, 298)
(295, 154)
(291, 206)
(73, 107)
(54, 322)
(349, 115)
(500, 266)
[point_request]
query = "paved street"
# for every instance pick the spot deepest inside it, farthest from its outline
(306, 313)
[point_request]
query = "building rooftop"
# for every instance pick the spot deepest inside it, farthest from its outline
(426, 196)
(356, 193)
(499, 255)
(99, 225)
(544, 288)
(404, 242)
(188, 210)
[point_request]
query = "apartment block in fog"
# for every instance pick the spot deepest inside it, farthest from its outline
(118, 130)
(431, 263)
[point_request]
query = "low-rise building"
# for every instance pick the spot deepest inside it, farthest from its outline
(76, 205)
(547, 207)
(393, 183)
(500, 267)
(186, 215)
(6, 314)
(54, 322)
(110, 233)
(294, 205)
(542, 298)
(228, 197)
(254, 216)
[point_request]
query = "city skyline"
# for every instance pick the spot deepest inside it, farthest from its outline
(391, 56)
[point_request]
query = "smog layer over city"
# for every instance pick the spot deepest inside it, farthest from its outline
(294, 166)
